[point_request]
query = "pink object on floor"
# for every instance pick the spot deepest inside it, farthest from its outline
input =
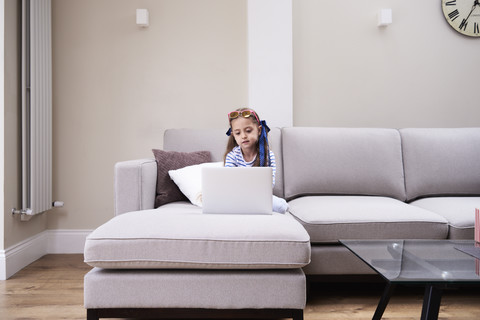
(477, 226)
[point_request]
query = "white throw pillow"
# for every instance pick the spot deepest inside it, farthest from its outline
(189, 180)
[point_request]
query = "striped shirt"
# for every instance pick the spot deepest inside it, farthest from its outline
(235, 159)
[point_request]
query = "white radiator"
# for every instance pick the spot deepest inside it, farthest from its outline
(36, 107)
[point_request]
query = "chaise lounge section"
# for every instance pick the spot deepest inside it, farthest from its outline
(175, 262)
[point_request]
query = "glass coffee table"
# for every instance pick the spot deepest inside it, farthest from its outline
(435, 264)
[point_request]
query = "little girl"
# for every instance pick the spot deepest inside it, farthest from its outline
(248, 146)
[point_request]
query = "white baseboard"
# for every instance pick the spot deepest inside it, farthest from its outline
(20, 255)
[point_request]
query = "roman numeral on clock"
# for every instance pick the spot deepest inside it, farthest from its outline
(476, 29)
(463, 25)
(451, 3)
(453, 15)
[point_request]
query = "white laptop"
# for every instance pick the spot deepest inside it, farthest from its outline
(240, 190)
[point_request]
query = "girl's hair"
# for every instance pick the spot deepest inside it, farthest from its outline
(232, 143)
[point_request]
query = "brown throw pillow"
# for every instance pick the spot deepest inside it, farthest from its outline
(167, 190)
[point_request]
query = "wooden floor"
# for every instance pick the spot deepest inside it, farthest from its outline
(52, 288)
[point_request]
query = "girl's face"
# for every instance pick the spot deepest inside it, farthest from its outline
(246, 132)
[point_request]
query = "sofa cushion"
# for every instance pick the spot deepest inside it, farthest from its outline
(189, 180)
(167, 190)
(458, 211)
(342, 161)
(215, 141)
(441, 161)
(179, 235)
(330, 218)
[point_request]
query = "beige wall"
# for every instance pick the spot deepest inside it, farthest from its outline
(118, 86)
(14, 230)
(417, 72)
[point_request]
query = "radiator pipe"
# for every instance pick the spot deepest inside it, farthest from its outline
(26, 214)
(22, 211)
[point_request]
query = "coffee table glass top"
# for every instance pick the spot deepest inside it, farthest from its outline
(418, 261)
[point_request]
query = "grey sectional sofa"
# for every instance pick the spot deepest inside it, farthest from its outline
(341, 183)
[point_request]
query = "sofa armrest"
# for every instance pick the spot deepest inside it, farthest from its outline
(135, 185)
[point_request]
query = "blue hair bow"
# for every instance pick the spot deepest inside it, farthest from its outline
(261, 143)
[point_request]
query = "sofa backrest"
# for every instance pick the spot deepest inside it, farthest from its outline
(442, 161)
(343, 161)
(215, 141)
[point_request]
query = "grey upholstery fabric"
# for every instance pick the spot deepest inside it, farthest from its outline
(135, 184)
(209, 289)
(351, 161)
(441, 161)
(458, 211)
(179, 235)
(343, 163)
(215, 141)
(330, 218)
(335, 259)
(189, 140)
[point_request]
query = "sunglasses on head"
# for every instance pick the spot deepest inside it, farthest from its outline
(244, 113)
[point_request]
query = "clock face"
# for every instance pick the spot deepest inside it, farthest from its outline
(463, 16)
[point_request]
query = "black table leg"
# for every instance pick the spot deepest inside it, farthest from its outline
(431, 302)
(382, 304)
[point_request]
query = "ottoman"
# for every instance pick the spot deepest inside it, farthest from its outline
(175, 262)
(195, 293)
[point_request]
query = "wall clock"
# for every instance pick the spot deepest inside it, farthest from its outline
(463, 16)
